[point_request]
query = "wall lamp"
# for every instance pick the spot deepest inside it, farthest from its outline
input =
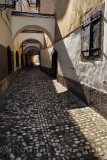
(5, 5)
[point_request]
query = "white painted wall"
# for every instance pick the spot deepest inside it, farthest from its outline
(46, 25)
(46, 57)
(36, 36)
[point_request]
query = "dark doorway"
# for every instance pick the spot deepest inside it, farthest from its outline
(17, 59)
(54, 64)
(9, 55)
(22, 59)
(25, 60)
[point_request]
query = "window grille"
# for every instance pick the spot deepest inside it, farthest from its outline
(91, 35)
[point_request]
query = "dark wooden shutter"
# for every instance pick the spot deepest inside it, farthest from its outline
(91, 35)
(95, 36)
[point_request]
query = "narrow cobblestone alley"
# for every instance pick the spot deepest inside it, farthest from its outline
(41, 120)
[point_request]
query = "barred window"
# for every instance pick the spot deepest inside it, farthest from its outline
(91, 36)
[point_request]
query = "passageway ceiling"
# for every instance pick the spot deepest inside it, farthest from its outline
(34, 36)
(32, 42)
(32, 50)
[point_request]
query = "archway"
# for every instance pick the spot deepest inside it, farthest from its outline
(19, 30)
(32, 56)
(37, 51)
(35, 40)
(31, 36)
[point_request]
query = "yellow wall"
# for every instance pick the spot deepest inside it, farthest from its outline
(68, 13)
(5, 31)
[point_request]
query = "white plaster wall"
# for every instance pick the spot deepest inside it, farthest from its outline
(46, 57)
(92, 73)
(37, 36)
(45, 24)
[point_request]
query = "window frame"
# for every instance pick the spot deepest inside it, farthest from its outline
(92, 56)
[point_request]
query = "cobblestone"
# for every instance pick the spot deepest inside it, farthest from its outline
(41, 120)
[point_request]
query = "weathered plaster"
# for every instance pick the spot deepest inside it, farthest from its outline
(35, 36)
(68, 13)
(91, 73)
(5, 31)
(46, 57)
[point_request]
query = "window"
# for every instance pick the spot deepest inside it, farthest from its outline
(9, 55)
(17, 59)
(91, 36)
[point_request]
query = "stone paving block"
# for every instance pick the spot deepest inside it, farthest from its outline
(41, 120)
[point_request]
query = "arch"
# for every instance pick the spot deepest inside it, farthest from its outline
(37, 45)
(16, 30)
(9, 56)
(31, 48)
(41, 45)
(34, 36)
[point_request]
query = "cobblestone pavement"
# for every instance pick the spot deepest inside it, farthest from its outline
(41, 120)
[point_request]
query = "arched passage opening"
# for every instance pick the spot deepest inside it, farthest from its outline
(32, 56)
(29, 53)
(37, 37)
(15, 34)
(31, 41)
(32, 48)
